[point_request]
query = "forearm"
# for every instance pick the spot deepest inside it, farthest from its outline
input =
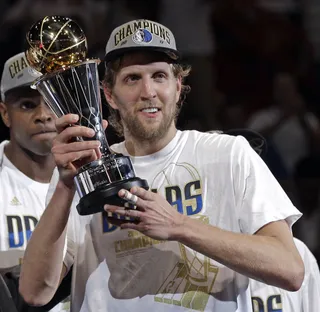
(42, 263)
(260, 257)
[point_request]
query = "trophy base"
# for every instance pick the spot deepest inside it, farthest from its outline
(94, 202)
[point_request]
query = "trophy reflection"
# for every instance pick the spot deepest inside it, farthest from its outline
(57, 48)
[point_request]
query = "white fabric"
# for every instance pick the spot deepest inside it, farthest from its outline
(22, 201)
(215, 178)
(307, 299)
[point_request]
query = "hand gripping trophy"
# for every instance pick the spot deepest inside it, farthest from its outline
(57, 48)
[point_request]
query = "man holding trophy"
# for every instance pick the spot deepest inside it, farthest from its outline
(205, 215)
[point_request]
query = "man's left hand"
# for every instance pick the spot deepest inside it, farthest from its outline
(153, 215)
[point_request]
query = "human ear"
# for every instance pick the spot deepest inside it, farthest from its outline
(4, 114)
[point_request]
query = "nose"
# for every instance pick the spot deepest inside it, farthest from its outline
(147, 89)
(43, 113)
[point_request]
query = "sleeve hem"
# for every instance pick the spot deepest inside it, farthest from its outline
(291, 219)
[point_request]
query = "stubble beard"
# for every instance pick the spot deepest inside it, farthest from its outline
(140, 131)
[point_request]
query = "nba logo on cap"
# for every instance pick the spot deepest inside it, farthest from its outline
(142, 36)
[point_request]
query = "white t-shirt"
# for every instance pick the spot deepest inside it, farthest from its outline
(22, 201)
(215, 178)
(266, 298)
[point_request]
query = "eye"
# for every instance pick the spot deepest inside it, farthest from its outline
(131, 78)
(159, 76)
(27, 105)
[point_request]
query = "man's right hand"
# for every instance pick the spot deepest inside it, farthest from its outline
(70, 154)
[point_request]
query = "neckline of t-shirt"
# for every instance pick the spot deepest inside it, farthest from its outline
(7, 163)
(157, 155)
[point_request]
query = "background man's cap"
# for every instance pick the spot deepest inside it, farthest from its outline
(16, 73)
(141, 34)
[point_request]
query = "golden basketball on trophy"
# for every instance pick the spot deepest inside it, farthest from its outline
(57, 48)
(55, 42)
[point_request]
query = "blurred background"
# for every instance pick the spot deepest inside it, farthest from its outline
(255, 64)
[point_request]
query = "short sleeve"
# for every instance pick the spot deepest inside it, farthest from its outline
(260, 198)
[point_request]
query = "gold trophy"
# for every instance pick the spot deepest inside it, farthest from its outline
(57, 48)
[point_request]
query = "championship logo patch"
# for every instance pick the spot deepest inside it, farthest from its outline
(142, 36)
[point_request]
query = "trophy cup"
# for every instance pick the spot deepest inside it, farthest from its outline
(57, 48)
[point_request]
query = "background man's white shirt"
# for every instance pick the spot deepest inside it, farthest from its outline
(22, 202)
(266, 298)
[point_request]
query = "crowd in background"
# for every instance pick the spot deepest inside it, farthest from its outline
(256, 64)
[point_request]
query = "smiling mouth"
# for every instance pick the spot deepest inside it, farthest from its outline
(150, 110)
